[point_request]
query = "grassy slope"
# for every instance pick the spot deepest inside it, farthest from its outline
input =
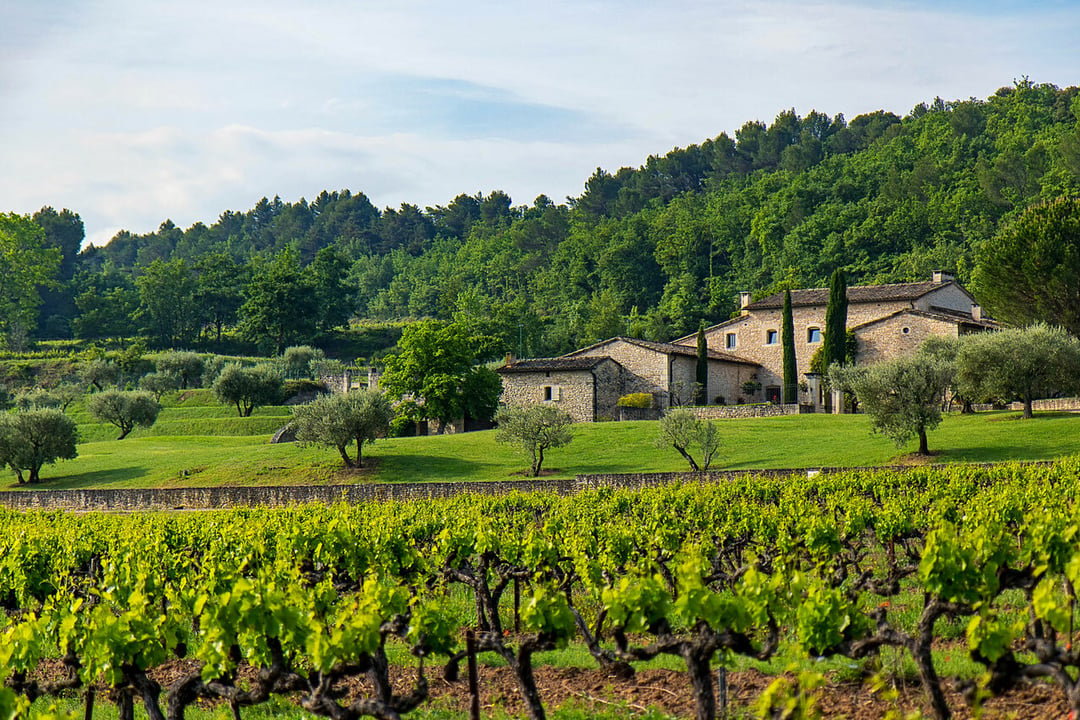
(197, 442)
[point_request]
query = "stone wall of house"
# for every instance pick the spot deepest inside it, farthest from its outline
(609, 387)
(725, 379)
(898, 335)
(950, 297)
(644, 370)
(572, 391)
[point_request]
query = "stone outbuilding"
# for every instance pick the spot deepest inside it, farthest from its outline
(588, 383)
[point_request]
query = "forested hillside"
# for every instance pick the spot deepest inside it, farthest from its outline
(648, 251)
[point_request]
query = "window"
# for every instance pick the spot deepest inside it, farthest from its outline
(772, 337)
(905, 330)
(813, 335)
(729, 341)
(551, 393)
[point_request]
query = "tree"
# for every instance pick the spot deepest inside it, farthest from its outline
(902, 397)
(29, 440)
(279, 304)
(435, 364)
(26, 263)
(124, 409)
(341, 419)
(218, 289)
(791, 367)
(1019, 363)
(1030, 270)
(167, 303)
(701, 369)
(159, 383)
(835, 342)
(187, 366)
(683, 430)
(334, 294)
(534, 429)
(249, 387)
(99, 373)
(298, 361)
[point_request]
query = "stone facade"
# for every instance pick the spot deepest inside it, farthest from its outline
(669, 372)
(587, 389)
(888, 321)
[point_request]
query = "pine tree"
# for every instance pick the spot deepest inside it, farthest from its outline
(791, 367)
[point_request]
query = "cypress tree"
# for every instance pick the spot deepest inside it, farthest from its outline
(791, 367)
(835, 342)
(701, 393)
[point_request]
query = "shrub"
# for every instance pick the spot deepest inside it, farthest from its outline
(636, 400)
(32, 439)
(159, 383)
(187, 366)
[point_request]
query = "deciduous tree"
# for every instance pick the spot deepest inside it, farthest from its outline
(167, 303)
(26, 263)
(249, 387)
(902, 397)
(124, 409)
(1019, 363)
(534, 429)
(29, 440)
(339, 420)
(683, 430)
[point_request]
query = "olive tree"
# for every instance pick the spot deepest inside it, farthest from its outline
(342, 419)
(1019, 363)
(159, 383)
(683, 430)
(187, 366)
(902, 397)
(124, 409)
(249, 387)
(533, 430)
(34, 438)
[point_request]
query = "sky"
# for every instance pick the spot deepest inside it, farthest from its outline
(130, 112)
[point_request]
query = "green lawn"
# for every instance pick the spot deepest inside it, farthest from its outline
(196, 442)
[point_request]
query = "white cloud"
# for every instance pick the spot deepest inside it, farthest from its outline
(131, 112)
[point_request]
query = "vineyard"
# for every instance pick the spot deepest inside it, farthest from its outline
(294, 605)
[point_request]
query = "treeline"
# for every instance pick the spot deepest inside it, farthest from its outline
(649, 251)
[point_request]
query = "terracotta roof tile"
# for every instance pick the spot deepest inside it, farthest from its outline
(855, 293)
(559, 364)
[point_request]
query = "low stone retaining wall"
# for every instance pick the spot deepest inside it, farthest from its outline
(216, 498)
(728, 412)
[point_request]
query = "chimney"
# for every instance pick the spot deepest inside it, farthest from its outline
(510, 358)
(976, 312)
(940, 276)
(744, 300)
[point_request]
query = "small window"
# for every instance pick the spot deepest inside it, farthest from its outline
(551, 393)
(729, 341)
(813, 335)
(772, 337)
(905, 330)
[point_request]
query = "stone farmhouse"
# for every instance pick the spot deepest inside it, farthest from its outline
(745, 352)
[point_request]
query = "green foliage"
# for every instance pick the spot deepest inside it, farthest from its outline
(701, 369)
(1030, 270)
(187, 366)
(1019, 363)
(34, 438)
(299, 359)
(125, 410)
(851, 351)
(279, 305)
(683, 430)
(336, 420)
(791, 367)
(99, 373)
(833, 345)
(167, 302)
(159, 383)
(249, 387)
(26, 262)
(636, 400)
(903, 397)
(435, 364)
(534, 429)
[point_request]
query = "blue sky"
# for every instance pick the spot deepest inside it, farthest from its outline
(133, 111)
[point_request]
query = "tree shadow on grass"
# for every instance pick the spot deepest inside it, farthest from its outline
(75, 481)
(393, 468)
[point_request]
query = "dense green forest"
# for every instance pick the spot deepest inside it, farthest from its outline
(648, 251)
